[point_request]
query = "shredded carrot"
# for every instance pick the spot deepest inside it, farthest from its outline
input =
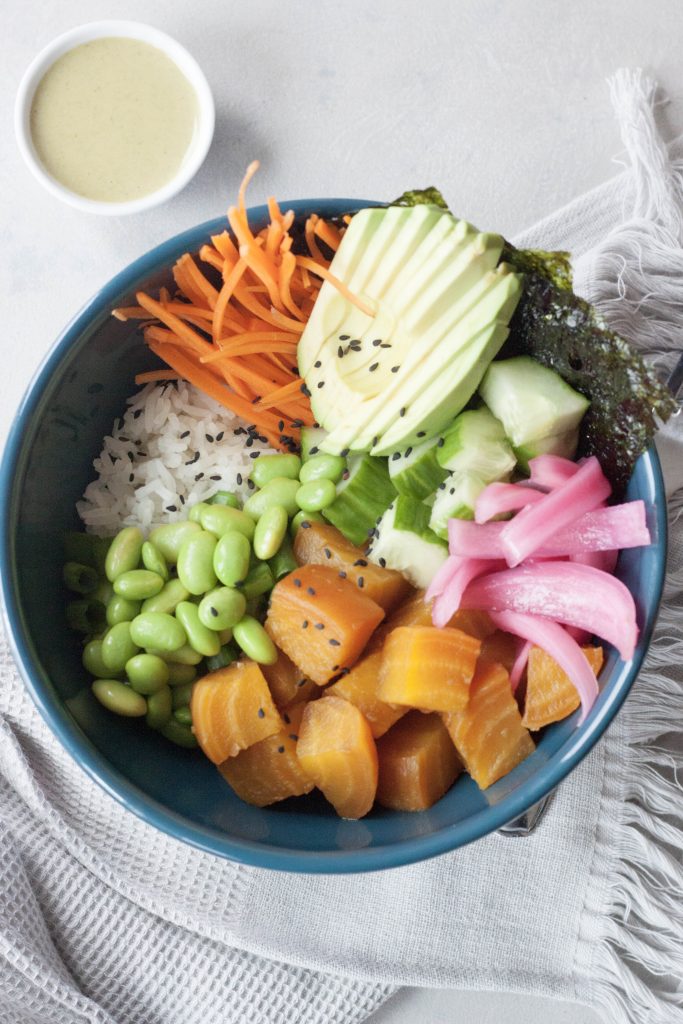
(233, 325)
(154, 375)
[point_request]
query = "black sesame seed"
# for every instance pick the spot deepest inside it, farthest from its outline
(360, 561)
(287, 719)
(342, 575)
(320, 625)
(298, 423)
(377, 342)
(334, 643)
(395, 369)
(442, 487)
(239, 430)
(409, 450)
(305, 525)
(256, 399)
(280, 750)
(137, 414)
(335, 668)
(185, 433)
(239, 479)
(304, 624)
(344, 337)
(293, 736)
(305, 391)
(313, 450)
(402, 411)
(385, 344)
(296, 581)
(253, 455)
(251, 485)
(317, 364)
(321, 384)
(452, 490)
(374, 441)
(281, 425)
(182, 499)
(142, 455)
(311, 591)
(217, 476)
(340, 352)
(131, 456)
(396, 455)
(371, 532)
(261, 713)
(373, 367)
(383, 563)
(327, 553)
(361, 582)
(199, 476)
(220, 435)
(214, 612)
(131, 477)
(171, 508)
(302, 682)
(344, 452)
(249, 442)
(209, 438)
(422, 433)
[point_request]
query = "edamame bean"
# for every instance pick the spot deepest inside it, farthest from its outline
(267, 467)
(180, 675)
(119, 698)
(231, 558)
(221, 608)
(159, 708)
(304, 517)
(254, 641)
(270, 532)
(179, 734)
(169, 538)
(195, 563)
(138, 584)
(224, 498)
(118, 646)
(182, 695)
(80, 578)
(259, 581)
(168, 599)
(221, 519)
(124, 552)
(184, 655)
(183, 715)
(153, 560)
(323, 467)
(204, 640)
(227, 654)
(195, 513)
(92, 660)
(316, 495)
(86, 616)
(147, 673)
(278, 491)
(121, 609)
(157, 631)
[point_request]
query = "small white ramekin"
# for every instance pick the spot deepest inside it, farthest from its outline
(197, 149)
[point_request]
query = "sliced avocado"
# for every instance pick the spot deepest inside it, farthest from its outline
(476, 443)
(557, 444)
(531, 400)
(455, 499)
(311, 439)
(430, 280)
(404, 542)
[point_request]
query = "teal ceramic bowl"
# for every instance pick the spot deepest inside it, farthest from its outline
(78, 391)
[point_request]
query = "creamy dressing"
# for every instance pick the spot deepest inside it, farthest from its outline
(113, 119)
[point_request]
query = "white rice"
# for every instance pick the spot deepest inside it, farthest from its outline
(174, 447)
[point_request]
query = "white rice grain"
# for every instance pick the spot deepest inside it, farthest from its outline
(149, 473)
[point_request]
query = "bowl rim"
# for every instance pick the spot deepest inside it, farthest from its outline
(116, 28)
(132, 798)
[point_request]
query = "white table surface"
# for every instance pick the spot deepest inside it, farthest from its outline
(503, 105)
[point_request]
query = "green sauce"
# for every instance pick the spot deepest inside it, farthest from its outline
(113, 119)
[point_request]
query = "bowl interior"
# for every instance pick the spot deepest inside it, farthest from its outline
(80, 389)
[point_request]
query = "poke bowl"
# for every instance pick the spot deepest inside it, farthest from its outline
(77, 394)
